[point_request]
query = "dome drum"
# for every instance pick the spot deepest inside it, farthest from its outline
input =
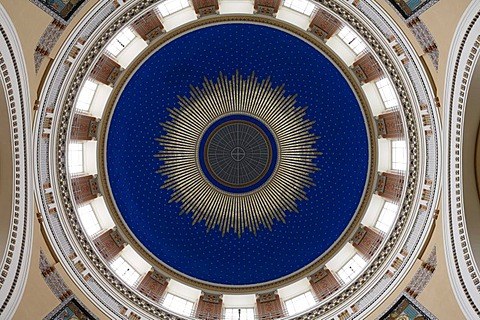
(263, 140)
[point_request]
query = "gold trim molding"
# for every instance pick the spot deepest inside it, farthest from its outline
(108, 112)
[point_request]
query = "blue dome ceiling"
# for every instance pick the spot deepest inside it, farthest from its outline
(251, 258)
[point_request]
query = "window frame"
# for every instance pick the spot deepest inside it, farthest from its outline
(308, 6)
(133, 275)
(303, 308)
(399, 155)
(120, 42)
(89, 219)
(387, 217)
(164, 9)
(175, 299)
(346, 273)
(74, 166)
(352, 40)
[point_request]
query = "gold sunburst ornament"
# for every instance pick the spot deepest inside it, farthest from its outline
(237, 154)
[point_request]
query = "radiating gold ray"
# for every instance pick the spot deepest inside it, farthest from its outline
(255, 210)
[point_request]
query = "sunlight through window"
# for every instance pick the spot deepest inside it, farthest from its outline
(387, 93)
(125, 271)
(178, 305)
(303, 6)
(75, 157)
(171, 6)
(300, 303)
(399, 155)
(351, 269)
(387, 217)
(352, 40)
(119, 43)
(89, 219)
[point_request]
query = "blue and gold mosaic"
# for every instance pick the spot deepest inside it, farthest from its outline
(238, 154)
(336, 120)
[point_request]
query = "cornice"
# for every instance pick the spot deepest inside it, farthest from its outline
(108, 112)
(16, 259)
(462, 268)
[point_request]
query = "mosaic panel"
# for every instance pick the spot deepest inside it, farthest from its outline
(71, 309)
(411, 8)
(61, 9)
(407, 308)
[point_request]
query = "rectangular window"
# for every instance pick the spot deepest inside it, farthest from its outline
(178, 305)
(399, 155)
(125, 271)
(300, 303)
(387, 217)
(89, 219)
(303, 6)
(245, 314)
(85, 97)
(351, 269)
(119, 43)
(171, 6)
(75, 157)
(387, 93)
(352, 40)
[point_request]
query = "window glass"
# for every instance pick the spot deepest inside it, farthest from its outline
(85, 96)
(178, 305)
(89, 219)
(171, 6)
(302, 6)
(300, 303)
(399, 155)
(351, 269)
(119, 43)
(387, 93)
(352, 40)
(75, 157)
(387, 216)
(125, 271)
(245, 314)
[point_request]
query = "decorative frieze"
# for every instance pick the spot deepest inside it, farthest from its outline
(423, 275)
(53, 279)
(425, 38)
(153, 285)
(390, 185)
(209, 306)
(148, 26)
(47, 41)
(106, 70)
(367, 68)
(205, 7)
(84, 127)
(390, 125)
(324, 283)
(324, 25)
(267, 7)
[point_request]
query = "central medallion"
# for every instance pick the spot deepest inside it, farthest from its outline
(239, 153)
